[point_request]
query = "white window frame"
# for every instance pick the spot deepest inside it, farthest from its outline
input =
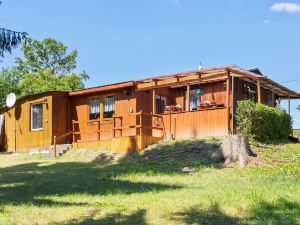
(31, 120)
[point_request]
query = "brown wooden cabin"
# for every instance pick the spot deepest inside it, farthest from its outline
(128, 116)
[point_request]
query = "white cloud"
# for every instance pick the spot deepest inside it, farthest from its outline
(285, 7)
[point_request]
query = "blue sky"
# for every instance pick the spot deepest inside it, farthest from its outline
(126, 40)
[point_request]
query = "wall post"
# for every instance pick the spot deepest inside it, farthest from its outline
(154, 101)
(188, 94)
(228, 104)
(258, 91)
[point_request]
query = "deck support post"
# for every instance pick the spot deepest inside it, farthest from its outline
(258, 91)
(154, 101)
(188, 94)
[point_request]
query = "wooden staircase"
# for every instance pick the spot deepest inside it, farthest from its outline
(60, 150)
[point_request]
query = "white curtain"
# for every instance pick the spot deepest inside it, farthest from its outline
(95, 106)
(109, 104)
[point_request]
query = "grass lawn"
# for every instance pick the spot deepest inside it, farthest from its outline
(296, 133)
(92, 187)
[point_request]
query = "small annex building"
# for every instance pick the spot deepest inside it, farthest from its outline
(128, 116)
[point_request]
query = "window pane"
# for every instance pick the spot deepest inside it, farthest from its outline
(37, 116)
(109, 106)
(94, 109)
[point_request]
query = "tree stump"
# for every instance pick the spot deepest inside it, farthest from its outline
(235, 148)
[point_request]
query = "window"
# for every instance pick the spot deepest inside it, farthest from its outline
(161, 103)
(109, 106)
(37, 116)
(94, 109)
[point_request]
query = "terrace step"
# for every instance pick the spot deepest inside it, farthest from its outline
(60, 149)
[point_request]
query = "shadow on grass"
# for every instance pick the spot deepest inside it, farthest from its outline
(172, 156)
(280, 212)
(137, 217)
(35, 183)
(32, 183)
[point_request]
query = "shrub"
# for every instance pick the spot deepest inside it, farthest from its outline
(261, 122)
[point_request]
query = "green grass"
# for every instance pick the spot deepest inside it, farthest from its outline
(296, 133)
(93, 187)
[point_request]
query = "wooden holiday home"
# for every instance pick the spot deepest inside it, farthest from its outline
(128, 116)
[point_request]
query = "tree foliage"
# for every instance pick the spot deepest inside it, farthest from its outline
(46, 65)
(261, 122)
(47, 54)
(10, 39)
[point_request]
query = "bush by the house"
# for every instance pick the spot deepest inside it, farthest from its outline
(261, 122)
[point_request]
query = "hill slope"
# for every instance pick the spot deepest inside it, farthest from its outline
(170, 183)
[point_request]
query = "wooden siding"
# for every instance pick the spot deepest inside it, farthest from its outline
(205, 123)
(23, 138)
(61, 119)
(124, 105)
(215, 92)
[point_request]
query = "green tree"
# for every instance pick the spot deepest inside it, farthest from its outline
(10, 39)
(46, 54)
(9, 81)
(46, 65)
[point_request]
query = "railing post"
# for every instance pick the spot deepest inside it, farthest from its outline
(141, 123)
(99, 128)
(73, 127)
(121, 124)
(114, 126)
(54, 147)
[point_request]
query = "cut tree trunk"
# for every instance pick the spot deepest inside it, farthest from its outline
(235, 148)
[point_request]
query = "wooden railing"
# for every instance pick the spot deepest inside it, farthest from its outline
(145, 123)
(98, 121)
(118, 124)
(56, 139)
